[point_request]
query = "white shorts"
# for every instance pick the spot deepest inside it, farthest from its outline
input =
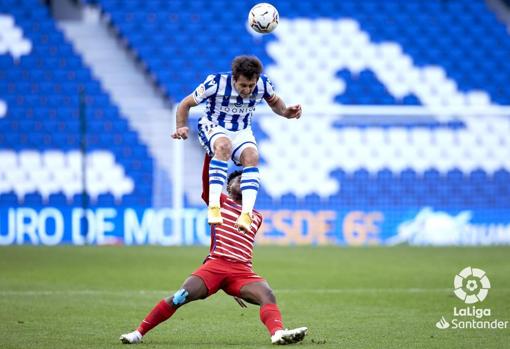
(209, 132)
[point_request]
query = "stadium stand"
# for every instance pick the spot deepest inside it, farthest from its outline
(41, 131)
(393, 53)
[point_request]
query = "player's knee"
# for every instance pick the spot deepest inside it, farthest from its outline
(249, 157)
(180, 297)
(223, 147)
(267, 296)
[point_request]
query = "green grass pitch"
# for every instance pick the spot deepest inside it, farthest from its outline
(85, 297)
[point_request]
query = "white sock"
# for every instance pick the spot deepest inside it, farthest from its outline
(217, 178)
(250, 182)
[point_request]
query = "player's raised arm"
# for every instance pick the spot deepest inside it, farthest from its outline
(278, 106)
(182, 115)
(205, 179)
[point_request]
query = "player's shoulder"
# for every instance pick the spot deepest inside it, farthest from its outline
(209, 87)
(224, 197)
(263, 77)
(224, 75)
(228, 203)
(220, 79)
(216, 77)
(213, 78)
(266, 82)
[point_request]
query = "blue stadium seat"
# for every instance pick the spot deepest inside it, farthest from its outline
(42, 94)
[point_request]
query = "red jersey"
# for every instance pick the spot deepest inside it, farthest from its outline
(227, 242)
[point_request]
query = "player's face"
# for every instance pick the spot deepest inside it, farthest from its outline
(234, 189)
(245, 86)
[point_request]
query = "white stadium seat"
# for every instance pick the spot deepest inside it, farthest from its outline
(54, 171)
(30, 160)
(53, 159)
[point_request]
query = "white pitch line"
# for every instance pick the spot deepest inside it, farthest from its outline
(152, 292)
(78, 292)
(364, 290)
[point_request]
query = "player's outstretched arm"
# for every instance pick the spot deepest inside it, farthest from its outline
(278, 106)
(182, 115)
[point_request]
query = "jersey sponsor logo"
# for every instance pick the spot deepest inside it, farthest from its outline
(236, 109)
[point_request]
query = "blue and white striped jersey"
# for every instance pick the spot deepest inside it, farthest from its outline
(225, 107)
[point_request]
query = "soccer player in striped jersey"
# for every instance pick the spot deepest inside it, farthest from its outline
(228, 266)
(225, 129)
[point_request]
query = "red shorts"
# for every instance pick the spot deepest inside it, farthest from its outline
(228, 276)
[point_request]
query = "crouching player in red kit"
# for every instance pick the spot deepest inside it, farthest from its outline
(228, 267)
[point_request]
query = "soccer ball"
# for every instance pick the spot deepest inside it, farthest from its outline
(263, 18)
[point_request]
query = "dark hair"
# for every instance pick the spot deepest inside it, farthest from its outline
(248, 66)
(231, 177)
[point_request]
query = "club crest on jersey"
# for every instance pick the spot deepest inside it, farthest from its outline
(200, 91)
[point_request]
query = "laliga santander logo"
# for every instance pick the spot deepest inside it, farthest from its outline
(471, 285)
